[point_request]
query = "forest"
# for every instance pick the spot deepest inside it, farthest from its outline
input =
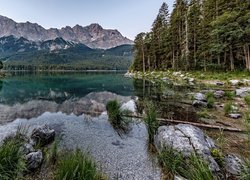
(202, 35)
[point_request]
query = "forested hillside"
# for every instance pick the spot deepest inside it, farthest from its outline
(197, 35)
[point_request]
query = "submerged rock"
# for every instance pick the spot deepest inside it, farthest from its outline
(233, 164)
(43, 135)
(186, 139)
(34, 160)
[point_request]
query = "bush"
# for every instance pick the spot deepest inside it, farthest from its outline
(116, 118)
(77, 165)
(247, 100)
(151, 122)
(12, 163)
(230, 95)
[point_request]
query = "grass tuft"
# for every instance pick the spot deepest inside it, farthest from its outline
(210, 99)
(247, 100)
(116, 118)
(228, 108)
(12, 163)
(151, 122)
(77, 165)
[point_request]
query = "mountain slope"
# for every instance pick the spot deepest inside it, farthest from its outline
(93, 35)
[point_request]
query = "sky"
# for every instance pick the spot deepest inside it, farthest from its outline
(130, 17)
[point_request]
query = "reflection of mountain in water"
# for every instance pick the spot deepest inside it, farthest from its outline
(93, 104)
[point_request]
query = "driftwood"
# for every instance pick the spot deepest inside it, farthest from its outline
(201, 125)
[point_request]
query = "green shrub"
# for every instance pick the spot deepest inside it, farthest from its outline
(12, 163)
(204, 114)
(116, 118)
(228, 108)
(218, 156)
(151, 121)
(247, 100)
(79, 166)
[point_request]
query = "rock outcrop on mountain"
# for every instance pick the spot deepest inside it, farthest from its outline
(94, 36)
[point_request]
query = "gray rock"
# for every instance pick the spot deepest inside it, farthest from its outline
(235, 115)
(200, 97)
(27, 148)
(219, 94)
(34, 160)
(186, 139)
(218, 83)
(43, 135)
(197, 103)
(234, 82)
(242, 92)
(233, 164)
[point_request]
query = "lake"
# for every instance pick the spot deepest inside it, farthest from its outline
(74, 105)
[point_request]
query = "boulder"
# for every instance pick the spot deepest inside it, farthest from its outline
(186, 139)
(27, 148)
(130, 106)
(43, 135)
(234, 82)
(34, 160)
(219, 94)
(197, 103)
(233, 164)
(242, 92)
(200, 97)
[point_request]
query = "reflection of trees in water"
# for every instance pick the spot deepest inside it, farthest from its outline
(1, 85)
(166, 97)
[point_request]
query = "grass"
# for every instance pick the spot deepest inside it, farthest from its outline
(245, 173)
(12, 163)
(79, 166)
(229, 95)
(228, 108)
(172, 162)
(116, 118)
(210, 99)
(151, 122)
(193, 167)
(247, 100)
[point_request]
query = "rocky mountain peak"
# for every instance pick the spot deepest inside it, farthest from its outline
(92, 35)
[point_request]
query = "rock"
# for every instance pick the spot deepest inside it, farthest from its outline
(179, 178)
(186, 139)
(234, 115)
(43, 135)
(34, 160)
(218, 83)
(197, 103)
(27, 148)
(246, 82)
(219, 94)
(233, 164)
(242, 92)
(200, 97)
(191, 79)
(234, 82)
(130, 105)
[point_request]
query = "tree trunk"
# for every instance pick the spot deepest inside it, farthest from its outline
(247, 56)
(231, 58)
(149, 62)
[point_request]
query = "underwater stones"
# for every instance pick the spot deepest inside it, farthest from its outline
(186, 139)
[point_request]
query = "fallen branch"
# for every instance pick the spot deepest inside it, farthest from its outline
(201, 125)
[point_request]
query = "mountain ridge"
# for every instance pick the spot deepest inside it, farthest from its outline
(93, 35)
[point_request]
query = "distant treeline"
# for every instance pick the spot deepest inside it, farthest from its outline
(197, 35)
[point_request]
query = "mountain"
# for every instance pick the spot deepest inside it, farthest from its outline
(21, 53)
(94, 36)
